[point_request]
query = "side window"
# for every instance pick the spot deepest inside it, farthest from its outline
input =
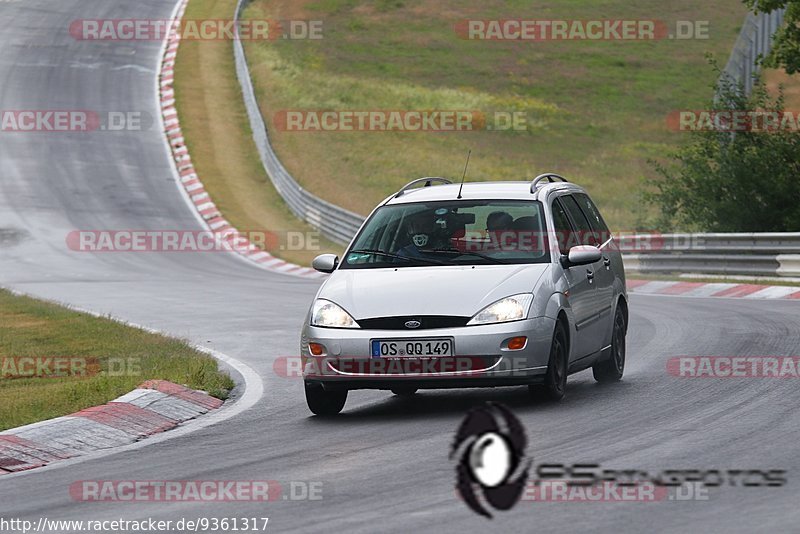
(564, 232)
(586, 234)
(595, 219)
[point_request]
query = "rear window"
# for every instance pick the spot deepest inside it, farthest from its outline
(593, 215)
(586, 234)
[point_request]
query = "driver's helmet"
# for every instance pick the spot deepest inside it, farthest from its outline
(430, 229)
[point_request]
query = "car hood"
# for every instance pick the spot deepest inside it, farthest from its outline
(460, 290)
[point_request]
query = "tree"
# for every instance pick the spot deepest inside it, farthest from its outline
(786, 45)
(725, 181)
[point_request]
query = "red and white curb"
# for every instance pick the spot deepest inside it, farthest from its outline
(701, 289)
(190, 182)
(154, 407)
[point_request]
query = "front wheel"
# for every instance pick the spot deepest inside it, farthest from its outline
(611, 369)
(555, 383)
(322, 402)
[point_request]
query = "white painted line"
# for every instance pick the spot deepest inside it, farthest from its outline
(772, 292)
(286, 267)
(169, 118)
(75, 435)
(706, 290)
(653, 287)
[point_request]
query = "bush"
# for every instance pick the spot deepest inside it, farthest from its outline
(721, 181)
(786, 42)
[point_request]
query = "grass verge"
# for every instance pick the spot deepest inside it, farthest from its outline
(119, 358)
(596, 110)
(217, 131)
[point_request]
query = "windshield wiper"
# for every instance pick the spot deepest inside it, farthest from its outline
(456, 252)
(392, 255)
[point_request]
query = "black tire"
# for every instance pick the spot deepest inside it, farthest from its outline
(555, 384)
(404, 391)
(611, 370)
(322, 402)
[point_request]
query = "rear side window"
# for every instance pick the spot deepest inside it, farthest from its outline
(593, 214)
(564, 233)
(586, 234)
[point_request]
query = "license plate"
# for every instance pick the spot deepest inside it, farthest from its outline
(412, 348)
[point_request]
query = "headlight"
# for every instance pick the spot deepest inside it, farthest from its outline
(326, 313)
(511, 308)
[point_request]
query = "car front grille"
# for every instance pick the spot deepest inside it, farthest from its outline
(427, 322)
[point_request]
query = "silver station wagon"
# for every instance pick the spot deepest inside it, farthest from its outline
(470, 285)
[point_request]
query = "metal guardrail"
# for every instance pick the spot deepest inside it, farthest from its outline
(334, 222)
(754, 41)
(752, 254)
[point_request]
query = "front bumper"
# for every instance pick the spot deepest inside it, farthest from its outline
(481, 357)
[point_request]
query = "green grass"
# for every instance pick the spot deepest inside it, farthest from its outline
(214, 122)
(596, 110)
(32, 328)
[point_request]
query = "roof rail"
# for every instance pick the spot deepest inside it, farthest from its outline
(546, 176)
(428, 180)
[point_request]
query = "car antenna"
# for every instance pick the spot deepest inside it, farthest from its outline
(463, 175)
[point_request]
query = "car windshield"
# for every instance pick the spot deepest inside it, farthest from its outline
(452, 232)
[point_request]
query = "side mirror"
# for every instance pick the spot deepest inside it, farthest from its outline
(581, 255)
(325, 263)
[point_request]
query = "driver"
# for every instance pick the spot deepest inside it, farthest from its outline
(426, 231)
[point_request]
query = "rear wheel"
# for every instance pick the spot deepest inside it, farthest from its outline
(611, 370)
(555, 384)
(404, 391)
(322, 402)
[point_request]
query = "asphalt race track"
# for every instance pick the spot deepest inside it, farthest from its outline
(383, 463)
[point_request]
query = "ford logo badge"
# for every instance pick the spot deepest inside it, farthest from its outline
(413, 324)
